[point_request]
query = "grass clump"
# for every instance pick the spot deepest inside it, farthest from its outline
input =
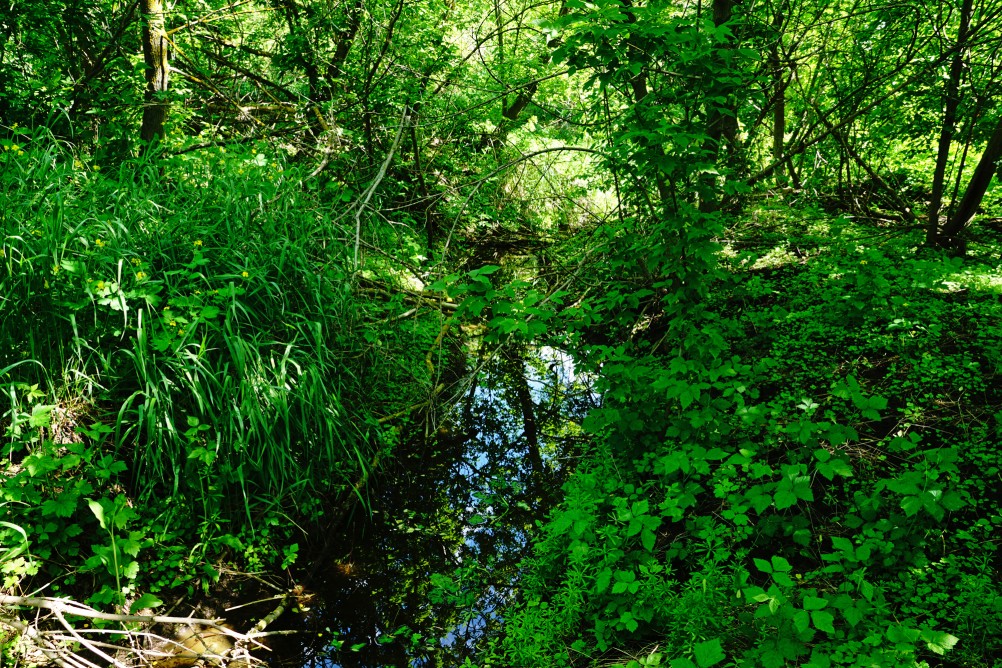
(181, 333)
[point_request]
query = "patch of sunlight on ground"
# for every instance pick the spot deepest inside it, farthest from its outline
(975, 278)
(776, 257)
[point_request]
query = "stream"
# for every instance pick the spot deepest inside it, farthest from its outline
(424, 578)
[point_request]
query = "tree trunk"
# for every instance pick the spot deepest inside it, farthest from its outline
(976, 189)
(779, 93)
(949, 124)
(157, 70)
(721, 120)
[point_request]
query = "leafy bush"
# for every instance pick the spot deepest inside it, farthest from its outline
(819, 500)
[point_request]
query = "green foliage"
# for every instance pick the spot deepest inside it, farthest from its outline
(801, 510)
(181, 347)
(793, 462)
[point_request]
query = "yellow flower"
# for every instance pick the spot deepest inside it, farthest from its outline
(244, 274)
(100, 285)
(198, 242)
(180, 332)
(140, 275)
(99, 243)
(136, 261)
(862, 261)
(55, 269)
(173, 323)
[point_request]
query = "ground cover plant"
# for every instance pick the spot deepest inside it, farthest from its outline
(824, 491)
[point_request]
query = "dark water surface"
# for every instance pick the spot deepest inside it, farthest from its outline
(423, 580)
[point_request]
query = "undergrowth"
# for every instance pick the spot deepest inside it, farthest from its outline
(799, 469)
(181, 349)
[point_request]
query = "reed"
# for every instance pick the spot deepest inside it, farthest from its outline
(199, 306)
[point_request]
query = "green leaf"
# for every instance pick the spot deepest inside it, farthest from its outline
(709, 653)
(853, 615)
(647, 539)
(842, 544)
(785, 499)
(603, 580)
(938, 642)
(98, 511)
(145, 601)
(131, 571)
(801, 621)
(814, 603)
(41, 416)
(823, 621)
(911, 505)
(782, 579)
(62, 506)
(763, 565)
(781, 565)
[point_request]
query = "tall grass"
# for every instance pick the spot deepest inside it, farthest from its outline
(200, 306)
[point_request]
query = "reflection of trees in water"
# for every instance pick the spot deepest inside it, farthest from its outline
(460, 504)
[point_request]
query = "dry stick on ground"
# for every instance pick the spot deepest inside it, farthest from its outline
(69, 607)
(62, 607)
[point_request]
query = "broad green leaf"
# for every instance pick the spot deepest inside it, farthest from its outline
(603, 580)
(785, 499)
(145, 601)
(709, 653)
(814, 603)
(781, 565)
(41, 416)
(939, 642)
(801, 621)
(647, 539)
(131, 570)
(823, 621)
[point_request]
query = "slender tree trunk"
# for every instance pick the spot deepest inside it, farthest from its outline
(778, 93)
(721, 121)
(949, 124)
(157, 70)
(976, 189)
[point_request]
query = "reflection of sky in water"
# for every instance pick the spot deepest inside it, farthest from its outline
(491, 487)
